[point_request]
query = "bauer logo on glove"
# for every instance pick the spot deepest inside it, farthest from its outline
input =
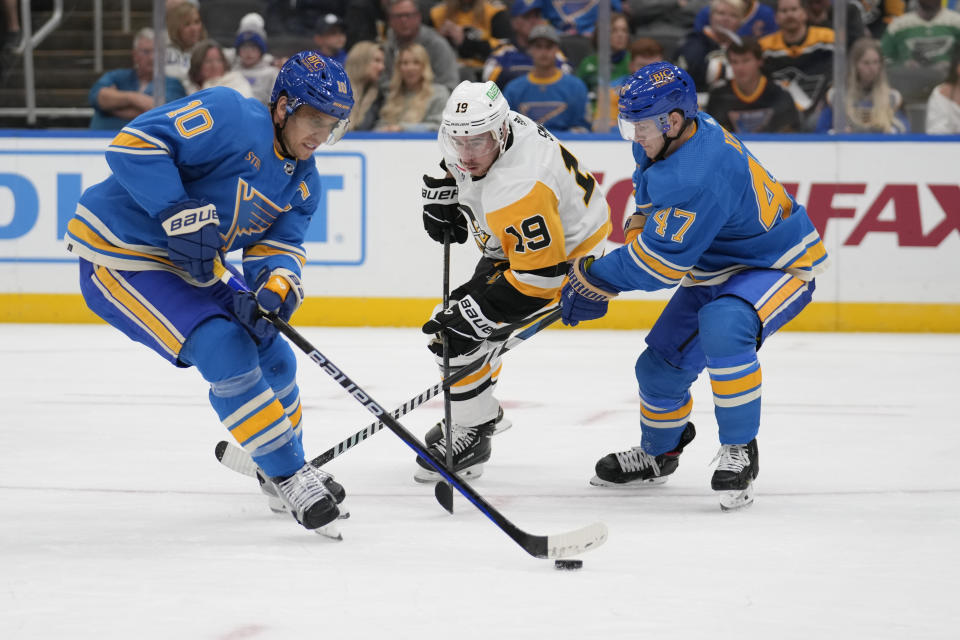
(441, 211)
(471, 311)
(189, 220)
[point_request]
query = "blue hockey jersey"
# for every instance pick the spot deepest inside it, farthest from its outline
(214, 145)
(713, 211)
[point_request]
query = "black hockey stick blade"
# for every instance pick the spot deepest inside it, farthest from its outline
(444, 495)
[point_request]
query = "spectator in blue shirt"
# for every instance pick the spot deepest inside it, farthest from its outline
(546, 95)
(121, 95)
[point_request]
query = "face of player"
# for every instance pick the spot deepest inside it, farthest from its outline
(192, 30)
(476, 153)
(619, 34)
(649, 135)
(646, 133)
(306, 130)
(411, 70)
(868, 68)
(745, 67)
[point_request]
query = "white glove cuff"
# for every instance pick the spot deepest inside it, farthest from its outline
(190, 220)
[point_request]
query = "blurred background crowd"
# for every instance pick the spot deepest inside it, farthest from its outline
(761, 66)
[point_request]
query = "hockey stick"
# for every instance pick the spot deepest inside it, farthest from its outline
(441, 490)
(561, 545)
(236, 459)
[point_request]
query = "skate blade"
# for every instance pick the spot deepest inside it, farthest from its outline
(501, 426)
(282, 509)
(597, 481)
(428, 476)
(330, 531)
(276, 504)
(736, 500)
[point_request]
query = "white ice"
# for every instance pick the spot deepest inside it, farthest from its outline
(117, 522)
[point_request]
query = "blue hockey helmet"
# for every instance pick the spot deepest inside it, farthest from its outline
(652, 93)
(310, 78)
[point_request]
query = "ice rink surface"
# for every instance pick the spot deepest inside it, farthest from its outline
(117, 522)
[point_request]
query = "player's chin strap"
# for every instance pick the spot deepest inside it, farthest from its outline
(278, 136)
(667, 140)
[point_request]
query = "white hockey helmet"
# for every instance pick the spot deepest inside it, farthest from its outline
(474, 108)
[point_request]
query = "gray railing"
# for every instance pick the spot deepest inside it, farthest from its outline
(32, 40)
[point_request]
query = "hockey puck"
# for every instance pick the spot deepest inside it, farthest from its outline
(567, 565)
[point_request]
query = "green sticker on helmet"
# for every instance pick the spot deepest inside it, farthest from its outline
(493, 91)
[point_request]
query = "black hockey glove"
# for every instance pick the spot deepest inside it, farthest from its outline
(440, 210)
(465, 326)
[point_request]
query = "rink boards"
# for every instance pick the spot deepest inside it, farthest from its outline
(887, 208)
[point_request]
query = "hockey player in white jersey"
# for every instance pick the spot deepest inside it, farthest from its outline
(531, 209)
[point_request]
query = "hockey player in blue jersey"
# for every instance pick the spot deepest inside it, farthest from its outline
(193, 179)
(712, 219)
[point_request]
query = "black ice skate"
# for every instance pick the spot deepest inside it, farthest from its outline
(637, 467)
(306, 497)
(276, 505)
(471, 448)
(500, 424)
(738, 468)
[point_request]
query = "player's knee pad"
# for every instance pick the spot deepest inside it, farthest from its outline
(728, 326)
(278, 363)
(220, 350)
(657, 378)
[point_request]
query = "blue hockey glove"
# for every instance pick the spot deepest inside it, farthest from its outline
(279, 291)
(248, 312)
(440, 210)
(193, 237)
(584, 297)
(465, 326)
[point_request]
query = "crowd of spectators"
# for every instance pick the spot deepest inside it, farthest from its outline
(761, 66)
